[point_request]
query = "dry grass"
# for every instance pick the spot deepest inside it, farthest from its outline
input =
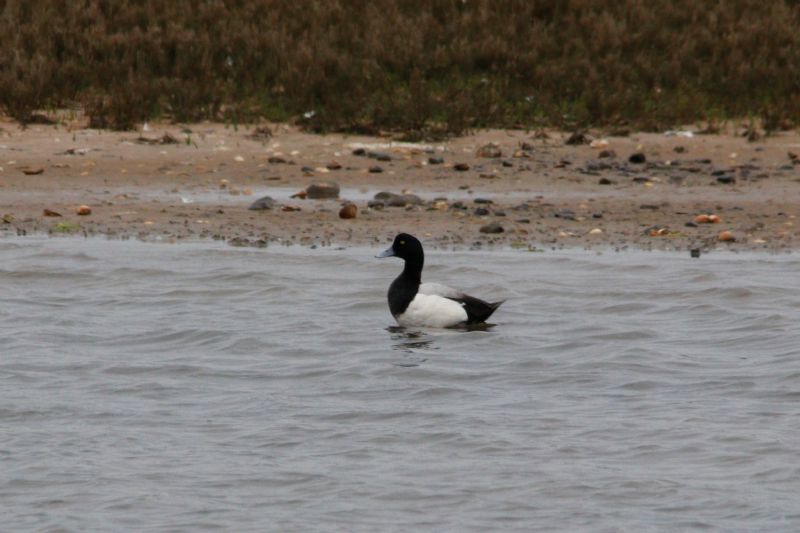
(416, 66)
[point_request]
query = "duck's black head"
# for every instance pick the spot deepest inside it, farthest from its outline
(406, 247)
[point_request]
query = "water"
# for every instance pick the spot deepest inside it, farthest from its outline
(200, 386)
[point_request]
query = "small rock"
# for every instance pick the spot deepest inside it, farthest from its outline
(348, 211)
(262, 204)
(649, 206)
(483, 201)
(578, 138)
(333, 165)
(32, 171)
(491, 150)
(694, 252)
(391, 199)
(375, 204)
(494, 227)
(726, 236)
(380, 156)
(435, 160)
(359, 152)
(607, 154)
(322, 190)
(276, 160)
(680, 150)
(300, 194)
(461, 167)
(84, 210)
(480, 212)
(605, 181)
(566, 214)
(637, 158)
(507, 164)
(375, 170)
(596, 231)
(49, 213)
(290, 208)
(726, 180)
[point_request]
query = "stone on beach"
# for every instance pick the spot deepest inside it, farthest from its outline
(391, 199)
(261, 204)
(84, 210)
(348, 211)
(491, 150)
(322, 190)
(494, 227)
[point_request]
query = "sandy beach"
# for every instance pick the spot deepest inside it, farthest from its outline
(492, 188)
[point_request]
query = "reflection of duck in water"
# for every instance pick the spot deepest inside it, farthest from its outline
(413, 303)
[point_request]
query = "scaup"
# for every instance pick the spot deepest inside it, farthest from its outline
(413, 303)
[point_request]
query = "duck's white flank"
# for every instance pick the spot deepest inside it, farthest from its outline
(440, 290)
(433, 311)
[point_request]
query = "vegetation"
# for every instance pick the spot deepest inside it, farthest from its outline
(414, 66)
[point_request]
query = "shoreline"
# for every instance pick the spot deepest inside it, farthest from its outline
(542, 192)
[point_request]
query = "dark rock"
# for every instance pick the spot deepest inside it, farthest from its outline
(637, 158)
(375, 170)
(494, 227)
(528, 147)
(578, 138)
(607, 154)
(380, 156)
(461, 167)
(333, 165)
(262, 203)
(435, 160)
(605, 181)
(307, 170)
(597, 215)
(480, 212)
(375, 204)
(322, 190)
(641, 179)
(391, 199)
(359, 152)
(726, 180)
(649, 206)
(690, 224)
(507, 164)
(276, 160)
(694, 252)
(499, 213)
(597, 166)
(523, 221)
(483, 201)
(679, 149)
(566, 214)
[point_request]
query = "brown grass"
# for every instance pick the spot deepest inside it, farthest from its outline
(415, 66)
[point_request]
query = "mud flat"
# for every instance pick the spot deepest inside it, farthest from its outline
(492, 188)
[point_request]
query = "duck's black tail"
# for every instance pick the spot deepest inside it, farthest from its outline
(479, 311)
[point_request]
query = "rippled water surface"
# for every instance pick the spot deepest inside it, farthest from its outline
(200, 386)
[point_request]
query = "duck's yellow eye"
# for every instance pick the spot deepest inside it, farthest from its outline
(402, 242)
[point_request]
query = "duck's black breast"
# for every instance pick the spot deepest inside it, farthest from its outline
(402, 290)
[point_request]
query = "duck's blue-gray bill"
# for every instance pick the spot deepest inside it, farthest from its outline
(389, 252)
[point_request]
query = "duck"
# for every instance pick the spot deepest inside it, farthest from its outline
(417, 304)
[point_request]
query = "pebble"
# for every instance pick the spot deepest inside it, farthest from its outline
(726, 236)
(49, 213)
(607, 154)
(84, 210)
(262, 204)
(637, 158)
(322, 190)
(578, 138)
(391, 199)
(726, 180)
(32, 171)
(480, 212)
(375, 170)
(494, 227)
(491, 150)
(348, 211)
(435, 160)
(605, 181)
(483, 201)
(461, 167)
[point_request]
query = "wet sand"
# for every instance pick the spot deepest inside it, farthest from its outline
(542, 192)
